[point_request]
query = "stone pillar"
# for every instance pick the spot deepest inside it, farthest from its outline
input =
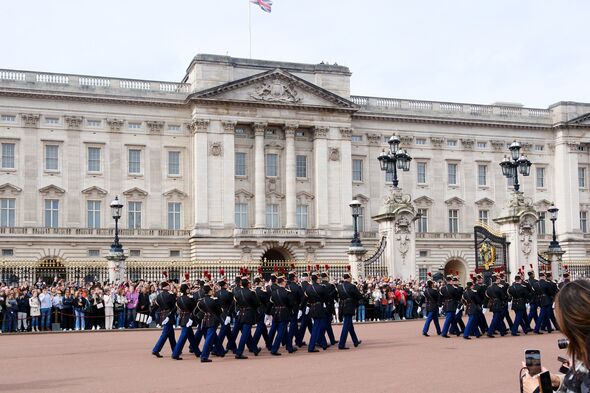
(345, 176)
(290, 178)
(229, 179)
(355, 258)
(199, 128)
(518, 223)
(396, 218)
(116, 266)
(320, 150)
(259, 176)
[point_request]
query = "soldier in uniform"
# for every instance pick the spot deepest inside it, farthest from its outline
(316, 297)
(533, 299)
(198, 315)
(504, 286)
(480, 287)
(449, 298)
(459, 313)
(271, 288)
(185, 305)
(472, 300)
(519, 294)
(296, 298)
(264, 303)
(566, 279)
(349, 296)
(330, 310)
(281, 314)
(212, 311)
(306, 321)
(553, 289)
(542, 290)
(247, 305)
(497, 297)
(226, 300)
(432, 303)
(165, 306)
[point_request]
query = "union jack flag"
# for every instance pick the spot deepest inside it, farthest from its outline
(265, 5)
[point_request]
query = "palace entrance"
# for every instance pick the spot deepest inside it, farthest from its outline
(453, 266)
(275, 258)
(50, 268)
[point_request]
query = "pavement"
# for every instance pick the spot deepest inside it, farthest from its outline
(394, 357)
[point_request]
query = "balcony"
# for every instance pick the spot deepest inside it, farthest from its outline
(444, 235)
(279, 232)
(100, 232)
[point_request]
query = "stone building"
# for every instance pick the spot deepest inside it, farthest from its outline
(245, 160)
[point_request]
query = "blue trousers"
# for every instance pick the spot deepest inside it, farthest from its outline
(45, 318)
(542, 320)
(449, 322)
(185, 334)
(261, 331)
(347, 328)
(211, 343)
(329, 330)
(432, 316)
(518, 315)
(198, 336)
(317, 332)
(246, 340)
(533, 315)
(482, 323)
(306, 324)
(550, 320)
(471, 327)
(507, 317)
(226, 331)
(273, 330)
(497, 323)
(167, 334)
(291, 330)
(281, 331)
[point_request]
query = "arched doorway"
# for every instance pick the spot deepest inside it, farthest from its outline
(454, 266)
(50, 268)
(275, 258)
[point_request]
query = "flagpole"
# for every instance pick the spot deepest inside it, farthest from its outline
(250, 25)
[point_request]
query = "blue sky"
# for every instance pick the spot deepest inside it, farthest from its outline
(534, 52)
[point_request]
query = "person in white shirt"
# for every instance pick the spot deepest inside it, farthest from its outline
(109, 305)
(35, 311)
(45, 299)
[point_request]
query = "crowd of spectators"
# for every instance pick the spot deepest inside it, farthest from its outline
(73, 306)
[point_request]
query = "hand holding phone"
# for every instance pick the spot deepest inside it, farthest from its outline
(532, 359)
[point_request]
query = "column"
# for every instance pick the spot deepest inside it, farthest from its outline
(199, 128)
(346, 177)
(567, 197)
(229, 179)
(290, 172)
(320, 150)
(259, 176)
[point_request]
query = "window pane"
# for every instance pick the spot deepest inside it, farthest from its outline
(541, 223)
(361, 220)
(423, 220)
(174, 163)
(271, 165)
(174, 215)
(357, 170)
(94, 159)
(453, 221)
(421, 168)
(452, 173)
(134, 161)
(7, 212)
(51, 157)
(240, 164)
(302, 216)
(134, 215)
(582, 177)
(272, 216)
(8, 155)
(482, 174)
(540, 177)
(51, 213)
(301, 166)
(483, 216)
(583, 222)
(93, 208)
(241, 215)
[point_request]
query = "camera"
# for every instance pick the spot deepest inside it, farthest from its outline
(563, 343)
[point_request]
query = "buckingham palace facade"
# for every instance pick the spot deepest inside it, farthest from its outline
(245, 160)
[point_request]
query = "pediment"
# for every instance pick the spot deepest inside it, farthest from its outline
(275, 87)
(304, 196)
(52, 189)
(243, 196)
(543, 203)
(583, 120)
(423, 201)
(175, 193)
(361, 198)
(9, 189)
(135, 192)
(94, 190)
(455, 201)
(485, 202)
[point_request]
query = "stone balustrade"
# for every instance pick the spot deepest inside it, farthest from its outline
(444, 235)
(106, 232)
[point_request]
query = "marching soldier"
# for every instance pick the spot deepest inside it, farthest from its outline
(330, 310)
(497, 297)
(519, 294)
(504, 287)
(480, 287)
(473, 302)
(349, 300)
(185, 305)
(296, 313)
(281, 314)
(459, 312)
(212, 311)
(553, 289)
(566, 279)
(306, 321)
(264, 303)
(449, 298)
(247, 304)
(533, 299)
(165, 306)
(271, 288)
(226, 300)
(316, 295)
(432, 303)
(542, 290)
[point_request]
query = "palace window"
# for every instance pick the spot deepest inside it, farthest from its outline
(482, 175)
(453, 220)
(422, 274)
(174, 215)
(272, 169)
(51, 213)
(302, 216)
(7, 212)
(452, 174)
(52, 120)
(272, 216)
(93, 214)
(134, 253)
(584, 221)
(357, 170)
(540, 177)
(93, 123)
(174, 163)
(134, 161)
(452, 142)
(134, 126)
(94, 253)
(361, 219)
(483, 216)
(94, 159)
(173, 127)
(422, 220)
(134, 215)
(241, 215)
(301, 166)
(8, 119)
(421, 172)
(240, 164)
(51, 157)
(420, 141)
(356, 138)
(481, 145)
(174, 253)
(541, 224)
(582, 177)
(7, 157)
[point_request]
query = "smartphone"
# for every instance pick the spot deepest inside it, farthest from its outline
(532, 359)
(545, 382)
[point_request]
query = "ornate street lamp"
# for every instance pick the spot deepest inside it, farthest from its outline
(516, 163)
(395, 159)
(116, 207)
(355, 206)
(554, 244)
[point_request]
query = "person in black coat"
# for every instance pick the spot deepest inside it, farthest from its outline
(350, 297)
(519, 294)
(226, 300)
(165, 305)
(472, 301)
(432, 296)
(450, 303)
(247, 304)
(282, 304)
(296, 312)
(542, 290)
(185, 305)
(212, 311)
(306, 320)
(480, 287)
(330, 310)
(497, 298)
(317, 296)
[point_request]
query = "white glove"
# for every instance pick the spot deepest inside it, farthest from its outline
(299, 314)
(484, 310)
(227, 320)
(149, 321)
(306, 310)
(189, 323)
(165, 321)
(419, 309)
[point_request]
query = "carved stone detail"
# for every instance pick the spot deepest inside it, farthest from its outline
(259, 129)
(572, 146)
(497, 144)
(467, 143)
(346, 133)
(155, 127)
(216, 149)
(320, 132)
(73, 121)
(30, 119)
(199, 125)
(115, 124)
(526, 231)
(406, 140)
(229, 126)
(334, 154)
(374, 139)
(276, 90)
(290, 129)
(437, 141)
